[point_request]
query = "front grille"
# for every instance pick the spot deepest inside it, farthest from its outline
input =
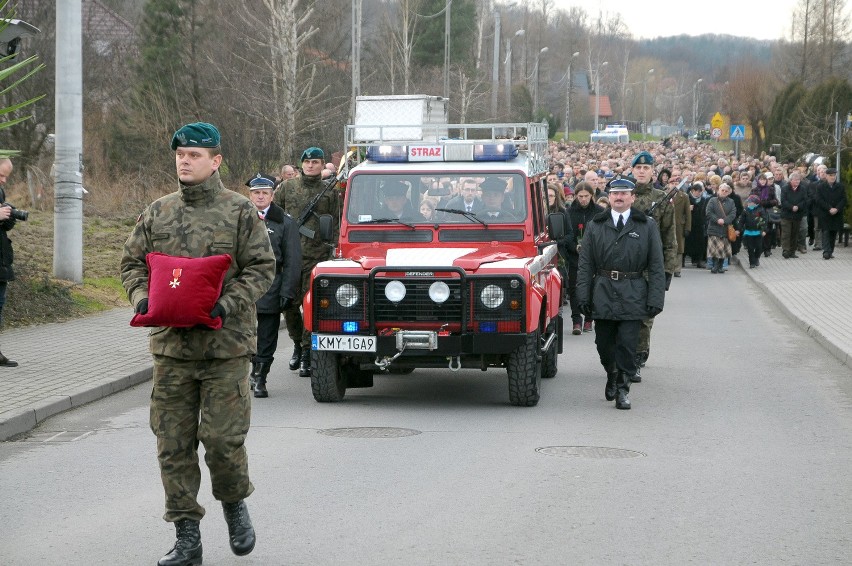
(482, 235)
(416, 306)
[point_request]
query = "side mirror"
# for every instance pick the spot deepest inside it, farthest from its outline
(556, 226)
(326, 228)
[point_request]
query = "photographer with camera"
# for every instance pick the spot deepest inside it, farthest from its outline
(7, 222)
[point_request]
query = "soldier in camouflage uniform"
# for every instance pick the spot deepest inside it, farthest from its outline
(294, 196)
(646, 195)
(201, 386)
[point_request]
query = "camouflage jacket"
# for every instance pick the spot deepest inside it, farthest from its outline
(647, 195)
(294, 195)
(199, 221)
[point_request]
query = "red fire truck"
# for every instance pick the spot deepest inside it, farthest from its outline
(449, 289)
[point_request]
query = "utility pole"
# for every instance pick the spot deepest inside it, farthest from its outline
(447, 49)
(356, 55)
(570, 87)
(495, 66)
(68, 201)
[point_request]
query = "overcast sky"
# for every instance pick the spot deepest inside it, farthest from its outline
(762, 19)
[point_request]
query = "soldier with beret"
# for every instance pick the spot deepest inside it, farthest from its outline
(620, 282)
(201, 381)
(287, 247)
(646, 196)
(295, 196)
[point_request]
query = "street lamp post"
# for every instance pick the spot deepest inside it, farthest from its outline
(645, 104)
(598, 94)
(568, 95)
(508, 72)
(535, 85)
(695, 105)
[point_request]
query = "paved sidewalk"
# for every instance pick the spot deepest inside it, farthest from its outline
(65, 365)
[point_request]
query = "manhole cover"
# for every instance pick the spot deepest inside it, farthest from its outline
(369, 432)
(596, 452)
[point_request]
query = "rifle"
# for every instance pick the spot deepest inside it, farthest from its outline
(309, 210)
(665, 197)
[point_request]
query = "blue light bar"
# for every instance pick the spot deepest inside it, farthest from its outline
(388, 153)
(495, 152)
(488, 327)
(351, 326)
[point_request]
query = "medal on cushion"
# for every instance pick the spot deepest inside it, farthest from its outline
(176, 281)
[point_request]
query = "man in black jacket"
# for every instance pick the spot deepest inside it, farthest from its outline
(829, 204)
(794, 206)
(6, 223)
(621, 281)
(286, 245)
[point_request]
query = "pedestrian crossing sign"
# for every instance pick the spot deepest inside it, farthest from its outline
(737, 132)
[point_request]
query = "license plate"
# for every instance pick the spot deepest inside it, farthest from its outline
(343, 343)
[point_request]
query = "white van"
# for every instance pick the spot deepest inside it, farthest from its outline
(612, 134)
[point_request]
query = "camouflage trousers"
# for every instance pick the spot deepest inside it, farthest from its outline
(203, 401)
(293, 315)
(644, 344)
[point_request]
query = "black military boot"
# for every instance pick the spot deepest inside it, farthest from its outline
(253, 374)
(637, 377)
(296, 358)
(611, 390)
(260, 381)
(305, 365)
(621, 400)
(187, 549)
(6, 362)
(240, 529)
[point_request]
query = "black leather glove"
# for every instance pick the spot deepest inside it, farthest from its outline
(142, 306)
(585, 308)
(284, 303)
(686, 233)
(218, 311)
(653, 311)
(668, 280)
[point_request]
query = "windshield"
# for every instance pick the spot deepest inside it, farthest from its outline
(452, 199)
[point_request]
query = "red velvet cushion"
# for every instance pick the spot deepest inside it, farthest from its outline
(183, 290)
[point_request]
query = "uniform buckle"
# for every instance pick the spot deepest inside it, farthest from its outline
(613, 275)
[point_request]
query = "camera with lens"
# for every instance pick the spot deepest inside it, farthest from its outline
(17, 214)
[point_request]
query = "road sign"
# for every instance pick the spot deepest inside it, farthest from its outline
(717, 121)
(737, 132)
(716, 133)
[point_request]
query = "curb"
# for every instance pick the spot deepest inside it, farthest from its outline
(833, 348)
(27, 418)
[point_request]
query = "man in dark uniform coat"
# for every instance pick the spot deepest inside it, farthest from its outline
(284, 239)
(620, 282)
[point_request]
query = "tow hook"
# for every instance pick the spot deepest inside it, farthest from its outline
(458, 363)
(383, 363)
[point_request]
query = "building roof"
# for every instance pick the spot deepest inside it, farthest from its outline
(605, 106)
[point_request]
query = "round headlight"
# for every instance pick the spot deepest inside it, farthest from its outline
(492, 296)
(439, 292)
(395, 291)
(347, 295)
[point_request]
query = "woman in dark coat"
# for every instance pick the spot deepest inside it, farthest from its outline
(720, 213)
(580, 214)
(695, 245)
(765, 191)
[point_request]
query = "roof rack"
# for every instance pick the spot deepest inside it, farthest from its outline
(529, 138)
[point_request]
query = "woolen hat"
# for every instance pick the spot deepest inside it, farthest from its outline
(831, 171)
(394, 188)
(196, 134)
(493, 184)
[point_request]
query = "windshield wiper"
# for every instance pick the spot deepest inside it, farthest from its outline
(386, 220)
(466, 214)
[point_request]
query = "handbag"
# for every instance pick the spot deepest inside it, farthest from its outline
(774, 215)
(732, 232)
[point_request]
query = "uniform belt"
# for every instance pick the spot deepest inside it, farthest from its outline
(616, 275)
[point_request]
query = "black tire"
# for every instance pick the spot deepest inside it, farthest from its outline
(328, 383)
(549, 361)
(524, 369)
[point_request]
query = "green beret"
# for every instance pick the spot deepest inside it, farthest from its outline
(197, 134)
(643, 158)
(313, 153)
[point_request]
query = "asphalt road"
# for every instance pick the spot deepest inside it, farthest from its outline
(737, 450)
